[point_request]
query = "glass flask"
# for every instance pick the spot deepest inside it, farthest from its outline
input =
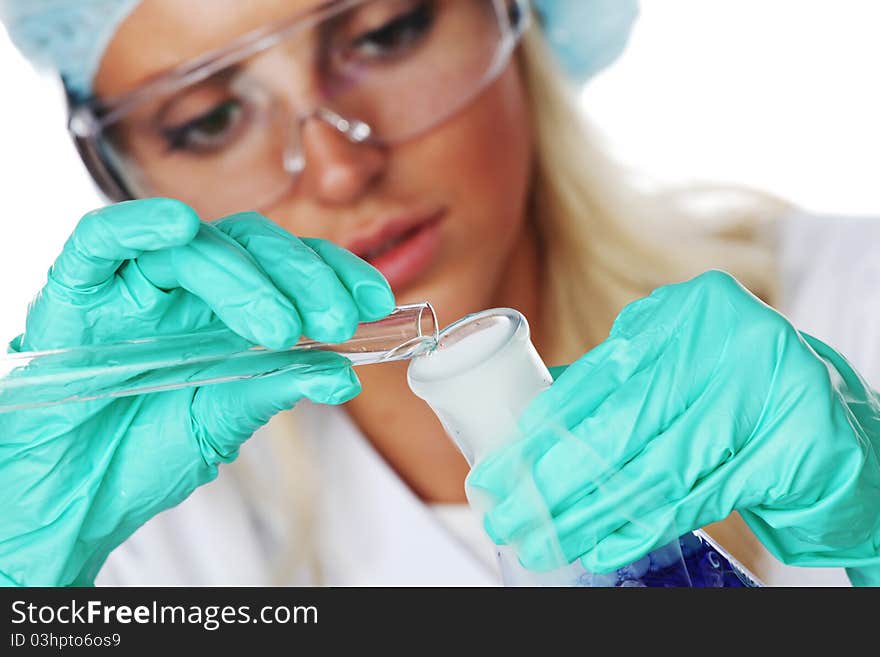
(482, 375)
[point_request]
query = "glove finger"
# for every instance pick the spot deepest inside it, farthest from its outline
(641, 315)
(583, 456)
(367, 285)
(656, 535)
(106, 237)
(587, 382)
(226, 414)
(325, 306)
(499, 473)
(558, 410)
(668, 306)
(684, 472)
(218, 270)
(541, 548)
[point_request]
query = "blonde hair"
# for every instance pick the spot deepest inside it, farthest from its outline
(607, 241)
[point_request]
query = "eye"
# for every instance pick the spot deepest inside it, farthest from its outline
(209, 131)
(395, 35)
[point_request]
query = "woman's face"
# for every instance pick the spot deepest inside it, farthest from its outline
(441, 215)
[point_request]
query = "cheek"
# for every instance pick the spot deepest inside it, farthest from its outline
(482, 163)
(481, 160)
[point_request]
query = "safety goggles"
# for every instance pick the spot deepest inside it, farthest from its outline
(223, 132)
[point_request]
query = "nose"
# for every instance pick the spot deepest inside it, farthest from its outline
(338, 168)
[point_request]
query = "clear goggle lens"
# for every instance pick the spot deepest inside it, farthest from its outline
(376, 71)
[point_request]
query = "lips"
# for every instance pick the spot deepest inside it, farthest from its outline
(402, 249)
(390, 244)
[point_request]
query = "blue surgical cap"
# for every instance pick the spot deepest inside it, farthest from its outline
(587, 35)
(70, 36)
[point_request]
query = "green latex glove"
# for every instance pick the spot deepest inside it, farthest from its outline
(703, 400)
(79, 478)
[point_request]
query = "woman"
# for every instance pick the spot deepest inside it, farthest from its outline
(437, 141)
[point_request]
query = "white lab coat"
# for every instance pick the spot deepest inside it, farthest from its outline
(310, 502)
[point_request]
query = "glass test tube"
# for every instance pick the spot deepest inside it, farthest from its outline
(88, 372)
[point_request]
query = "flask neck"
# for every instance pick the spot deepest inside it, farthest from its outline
(481, 377)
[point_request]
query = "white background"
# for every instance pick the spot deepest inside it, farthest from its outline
(780, 94)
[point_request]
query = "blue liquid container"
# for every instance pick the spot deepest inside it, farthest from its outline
(703, 564)
(693, 561)
(483, 374)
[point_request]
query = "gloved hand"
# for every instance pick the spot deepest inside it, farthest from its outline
(703, 400)
(79, 478)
